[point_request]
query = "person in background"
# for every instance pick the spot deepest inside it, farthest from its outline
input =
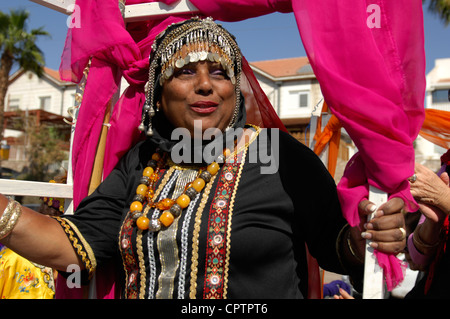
(22, 279)
(427, 245)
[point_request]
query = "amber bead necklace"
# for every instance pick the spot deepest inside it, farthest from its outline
(170, 208)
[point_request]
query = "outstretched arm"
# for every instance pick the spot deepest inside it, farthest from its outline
(39, 239)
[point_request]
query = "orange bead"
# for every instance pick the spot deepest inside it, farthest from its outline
(213, 168)
(226, 152)
(150, 193)
(148, 171)
(142, 189)
(165, 204)
(142, 223)
(198, 184)
(154, 177)
(183, 201)
(156, 157)
(166, 218)
(136, 206)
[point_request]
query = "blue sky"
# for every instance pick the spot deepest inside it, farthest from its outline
(274, 36)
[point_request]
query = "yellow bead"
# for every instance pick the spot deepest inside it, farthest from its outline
(142, 222)
(213, 168)
(198, 184)
(142, 189)
(148, 171)
(135, 206)
(183, 201)
(166, 218)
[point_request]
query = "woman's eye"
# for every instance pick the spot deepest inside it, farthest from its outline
(183, 72)
(186, 71)
(219, 72)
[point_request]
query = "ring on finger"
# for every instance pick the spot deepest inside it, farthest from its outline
(403, 232)
(413, 178)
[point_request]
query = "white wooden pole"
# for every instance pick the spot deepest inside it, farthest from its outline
(373, 273)
(39, 189)
(133, 12)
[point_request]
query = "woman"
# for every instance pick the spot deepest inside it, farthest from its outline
(198, 217)
(427, 244)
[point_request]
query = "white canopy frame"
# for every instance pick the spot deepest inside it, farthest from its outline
(373, 274)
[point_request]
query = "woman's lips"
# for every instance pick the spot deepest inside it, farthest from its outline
(204, 107)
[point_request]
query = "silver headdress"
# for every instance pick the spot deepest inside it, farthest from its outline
(187, 42)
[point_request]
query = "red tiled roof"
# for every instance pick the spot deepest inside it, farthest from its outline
(52, 73)
(282, 67)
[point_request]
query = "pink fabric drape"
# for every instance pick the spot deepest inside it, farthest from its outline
(372, 78)
(374, 81)
(116, 50)
(369, 59)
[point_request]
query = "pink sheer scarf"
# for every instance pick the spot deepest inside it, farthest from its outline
(369, 59)
(115, 51)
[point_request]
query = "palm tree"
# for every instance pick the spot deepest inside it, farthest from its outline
(17, 47)
(441, 8)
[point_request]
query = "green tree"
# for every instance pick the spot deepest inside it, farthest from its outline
(45, 148)
(441, 8)
(17, 47)
(44, 153)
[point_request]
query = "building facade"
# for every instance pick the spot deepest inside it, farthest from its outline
(436, 97)
(46, 99)
(293, 90)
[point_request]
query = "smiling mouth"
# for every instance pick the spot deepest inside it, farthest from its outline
(203, 107)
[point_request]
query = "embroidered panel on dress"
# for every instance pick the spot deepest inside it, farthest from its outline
(129, 258)
(219, 223)
(130, 262)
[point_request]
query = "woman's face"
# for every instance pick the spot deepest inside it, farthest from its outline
(199, 91)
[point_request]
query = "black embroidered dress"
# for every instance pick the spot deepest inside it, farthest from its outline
(243, 236)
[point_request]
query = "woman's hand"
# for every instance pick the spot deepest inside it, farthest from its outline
(386, 230)
(431, 192)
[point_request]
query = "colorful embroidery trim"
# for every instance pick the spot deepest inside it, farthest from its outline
(218, 247)
(129, 259)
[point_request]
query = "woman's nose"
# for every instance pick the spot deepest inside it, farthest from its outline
(204, 84)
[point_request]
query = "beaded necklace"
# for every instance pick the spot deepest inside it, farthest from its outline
(170, 208)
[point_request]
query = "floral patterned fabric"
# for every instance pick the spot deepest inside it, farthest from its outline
(22, 279)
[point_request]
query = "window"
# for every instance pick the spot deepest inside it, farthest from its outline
(45, 102)
(440, 96)
(303, 99)
(13, 103)
(299, 98)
